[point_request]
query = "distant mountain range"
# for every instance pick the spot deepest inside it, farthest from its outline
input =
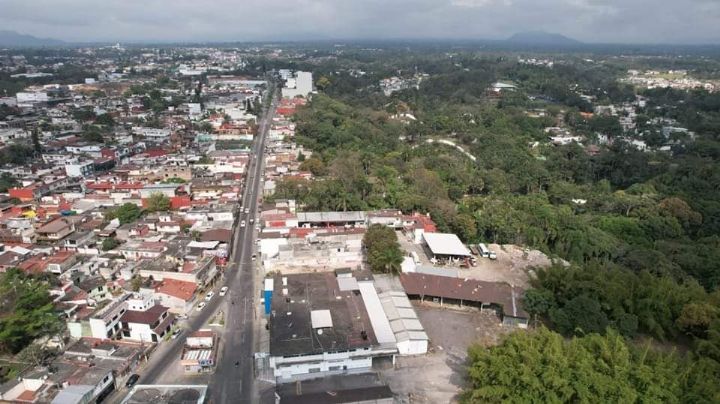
(542, 38)
(12, 39)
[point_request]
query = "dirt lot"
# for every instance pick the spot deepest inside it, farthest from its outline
(439, 376)
(512, 264)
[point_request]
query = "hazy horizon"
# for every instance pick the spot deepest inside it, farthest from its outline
(590, 21)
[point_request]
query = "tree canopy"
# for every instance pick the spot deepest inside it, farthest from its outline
(382, 249)
(126, 213)
(542, 367)
(26, 311)
(157, 202)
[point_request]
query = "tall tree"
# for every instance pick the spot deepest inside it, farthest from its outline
(157, 202)
(383, 250)
(26, 311)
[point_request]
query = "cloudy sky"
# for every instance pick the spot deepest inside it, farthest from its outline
(620, 21)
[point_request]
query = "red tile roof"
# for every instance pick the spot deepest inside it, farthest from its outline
(180, 289)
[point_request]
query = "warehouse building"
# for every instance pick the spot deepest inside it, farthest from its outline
(499, 296)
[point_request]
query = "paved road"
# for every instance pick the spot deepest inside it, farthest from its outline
(230, 383)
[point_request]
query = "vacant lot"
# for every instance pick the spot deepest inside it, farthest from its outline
(439, 376)
(512, 264)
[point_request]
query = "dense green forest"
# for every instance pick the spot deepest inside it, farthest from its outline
(641, 229)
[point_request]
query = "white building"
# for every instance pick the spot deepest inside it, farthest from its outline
(152, 133)
(409, 332)
(9, 134)
(320, 324)
(301, 84)
(194, 110)
(25, 98)
(103, 323)
(145, 321)
(78, 168)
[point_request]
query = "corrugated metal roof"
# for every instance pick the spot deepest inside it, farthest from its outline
(403, 319)
(331, 216)
(378, 319)
(445, 244)
(473, 290)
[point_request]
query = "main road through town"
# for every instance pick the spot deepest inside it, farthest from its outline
(234, 373)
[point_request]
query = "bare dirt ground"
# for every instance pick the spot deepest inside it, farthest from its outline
(439, 376)
(513, 263)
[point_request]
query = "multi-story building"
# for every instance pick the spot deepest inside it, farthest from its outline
(320, 324)
(103, 322)
(145, 321)
(79, 168)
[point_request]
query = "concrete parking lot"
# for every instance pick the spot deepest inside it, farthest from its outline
(439, 376)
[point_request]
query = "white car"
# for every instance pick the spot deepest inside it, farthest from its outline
(223, 291)
(200, 306)
(254, 257)
(209, 296)
(247, 210)
(242, 223)
(252, 221)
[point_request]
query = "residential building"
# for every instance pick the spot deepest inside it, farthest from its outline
(79, 168)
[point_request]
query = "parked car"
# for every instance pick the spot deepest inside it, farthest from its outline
(223, 291)
(209, 296)
(132, 380)
(254, 256)
(177, 333)
(200, 306)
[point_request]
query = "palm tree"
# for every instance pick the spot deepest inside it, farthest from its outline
(391, 259)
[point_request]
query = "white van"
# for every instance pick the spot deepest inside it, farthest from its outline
(484, 251)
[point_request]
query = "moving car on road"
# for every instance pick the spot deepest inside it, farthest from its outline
(242, 223)
(132, 380)
(223, 291)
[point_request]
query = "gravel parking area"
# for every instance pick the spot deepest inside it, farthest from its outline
(439, 376)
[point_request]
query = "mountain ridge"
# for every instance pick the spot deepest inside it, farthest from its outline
(15, 39)
(542, 38)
